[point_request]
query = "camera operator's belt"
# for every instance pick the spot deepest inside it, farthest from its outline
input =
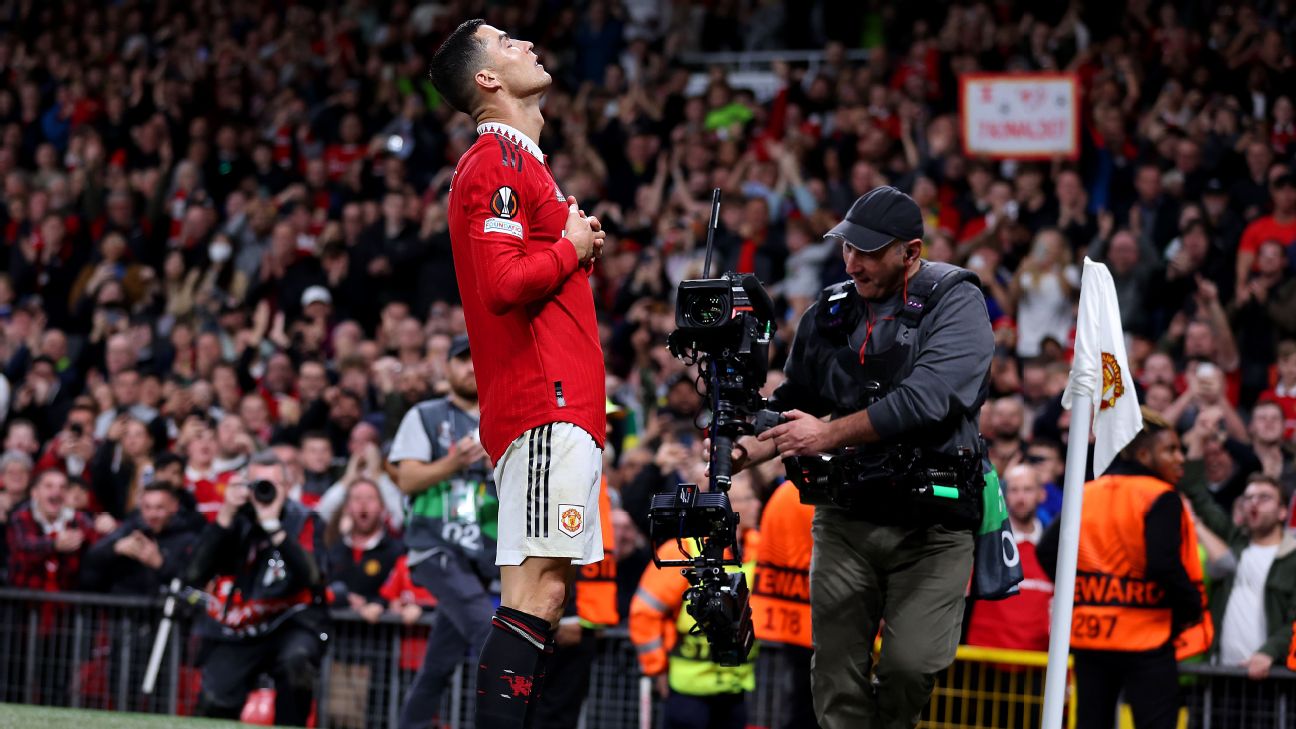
(931, 488)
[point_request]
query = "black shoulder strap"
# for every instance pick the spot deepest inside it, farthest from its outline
(838, 310)
(933, 281)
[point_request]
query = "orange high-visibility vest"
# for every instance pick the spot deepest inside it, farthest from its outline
(596, 589)
(1291, 653)
(781, 595)
(1116, 607)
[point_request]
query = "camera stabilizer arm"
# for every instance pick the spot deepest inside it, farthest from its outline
(724, 326)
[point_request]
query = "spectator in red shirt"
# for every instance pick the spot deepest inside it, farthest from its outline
(350, 149)
(1280, 226)
(73, 447)
(1022, 621)
(405, 598)
(1284, 390)
(200, 475)
(47, 538)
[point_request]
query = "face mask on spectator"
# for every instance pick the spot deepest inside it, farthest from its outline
(219, 252)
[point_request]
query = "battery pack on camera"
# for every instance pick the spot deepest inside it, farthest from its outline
(902, 485)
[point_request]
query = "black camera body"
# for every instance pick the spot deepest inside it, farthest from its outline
(263, 492)
(724, 326)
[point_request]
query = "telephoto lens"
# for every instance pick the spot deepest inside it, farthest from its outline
(263, 491)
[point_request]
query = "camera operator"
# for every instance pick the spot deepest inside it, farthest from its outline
(899, 357)
(268, 603)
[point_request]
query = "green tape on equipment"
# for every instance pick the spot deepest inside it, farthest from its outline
(948, 492)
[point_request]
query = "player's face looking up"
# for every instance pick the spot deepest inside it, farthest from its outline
(511, 65)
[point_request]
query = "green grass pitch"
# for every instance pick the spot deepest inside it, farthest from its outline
(31, 717)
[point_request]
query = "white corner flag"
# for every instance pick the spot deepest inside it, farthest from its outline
(1100, 383)
(1100, 359)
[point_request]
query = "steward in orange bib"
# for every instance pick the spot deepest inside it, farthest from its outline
(781, 597)
(593, 609)
(1291, 652)
(1138, 584)
(698, 693)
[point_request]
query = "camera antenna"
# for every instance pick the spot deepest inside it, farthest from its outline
(711, 229)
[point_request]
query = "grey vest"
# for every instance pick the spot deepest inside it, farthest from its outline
(863, 352)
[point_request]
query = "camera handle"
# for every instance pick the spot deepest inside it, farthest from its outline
(711, 229)
(721, 463)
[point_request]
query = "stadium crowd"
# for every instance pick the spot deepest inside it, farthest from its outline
(225, 231)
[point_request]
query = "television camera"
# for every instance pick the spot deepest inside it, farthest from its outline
(723, 325)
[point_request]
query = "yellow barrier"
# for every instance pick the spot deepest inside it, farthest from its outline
(1127, 718)
(992, 688)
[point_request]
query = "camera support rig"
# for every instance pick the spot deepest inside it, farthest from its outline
(724, 326)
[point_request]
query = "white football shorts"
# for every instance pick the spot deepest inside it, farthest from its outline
(548, 484)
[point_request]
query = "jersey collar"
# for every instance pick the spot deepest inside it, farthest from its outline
(512, 134)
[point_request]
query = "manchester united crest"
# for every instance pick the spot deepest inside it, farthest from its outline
(1113, 385)
(571, 519)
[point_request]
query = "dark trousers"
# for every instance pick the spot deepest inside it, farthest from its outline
(460, 625)
(1149, 681)
(722, 711)
(796, 697)
(863, 577)
(567, 682)
(291, 655)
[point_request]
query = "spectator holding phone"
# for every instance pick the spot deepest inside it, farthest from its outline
(73, 447)
(150, 547)
(1206, 389)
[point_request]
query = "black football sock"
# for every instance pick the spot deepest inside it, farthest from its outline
(542, 669)
(511, 668)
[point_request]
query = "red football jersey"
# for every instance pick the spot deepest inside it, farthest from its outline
(527, 301)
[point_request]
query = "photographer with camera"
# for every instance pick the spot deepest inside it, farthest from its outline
(899, 357)
(268, 605)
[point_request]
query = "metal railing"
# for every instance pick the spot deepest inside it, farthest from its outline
(90, 651)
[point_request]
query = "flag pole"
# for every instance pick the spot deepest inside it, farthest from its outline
(1068, 545)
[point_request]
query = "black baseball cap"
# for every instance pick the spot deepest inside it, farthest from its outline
(1286, 179)
(880, 216)
(459, 346)
(1215, 186)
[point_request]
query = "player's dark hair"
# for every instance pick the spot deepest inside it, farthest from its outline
(1153, 425)
(456, 63)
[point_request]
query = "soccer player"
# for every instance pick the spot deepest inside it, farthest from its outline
(523, 253)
